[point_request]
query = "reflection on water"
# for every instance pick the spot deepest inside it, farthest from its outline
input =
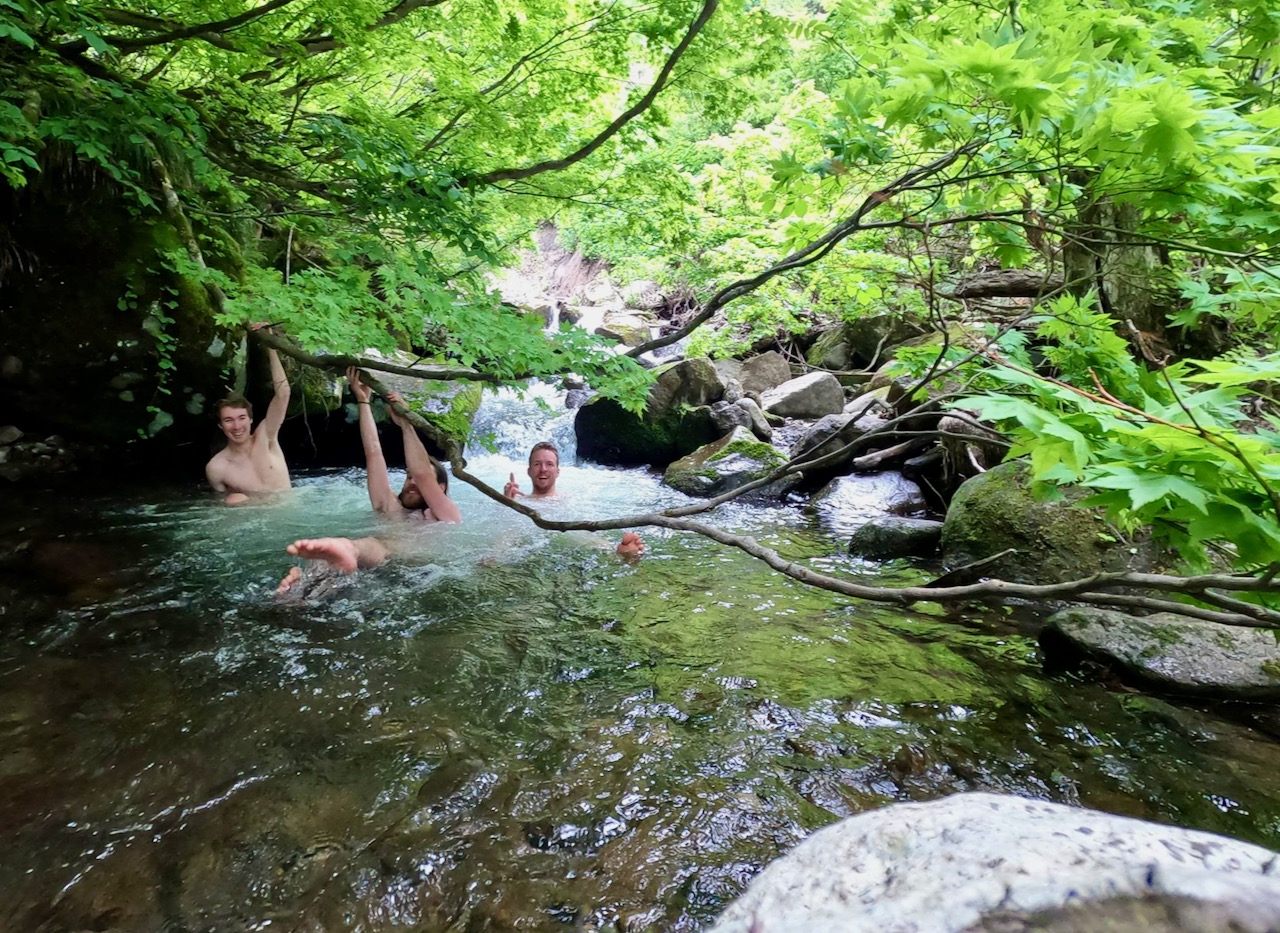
(506, 729)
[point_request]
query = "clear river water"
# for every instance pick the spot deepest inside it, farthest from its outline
(508, 729)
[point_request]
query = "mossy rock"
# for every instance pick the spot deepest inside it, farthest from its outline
(831, 349)
(1173, 652)
(449, 405)
(607, 433)
(1055, 539)
(733, 461)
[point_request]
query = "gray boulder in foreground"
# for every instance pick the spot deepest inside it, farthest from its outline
(1172, 651)
(940, 867)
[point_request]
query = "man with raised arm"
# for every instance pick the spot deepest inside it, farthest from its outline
(252, 462)
(424, 496)
(544, 470)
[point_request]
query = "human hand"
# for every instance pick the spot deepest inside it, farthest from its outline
(361, 391)
(394, 401)
(512, 489)
(631, 547)
(258, 325)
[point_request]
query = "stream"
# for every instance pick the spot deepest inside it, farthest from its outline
(505, 728)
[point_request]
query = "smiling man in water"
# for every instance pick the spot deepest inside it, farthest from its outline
(544, 470)
(252, 461)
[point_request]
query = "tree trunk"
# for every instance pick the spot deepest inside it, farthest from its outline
(1104, 254)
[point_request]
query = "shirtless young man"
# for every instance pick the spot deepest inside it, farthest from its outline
(544, 470)
(424, 496)
(252, 461)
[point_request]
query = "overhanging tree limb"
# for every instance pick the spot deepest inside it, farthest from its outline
(554, 165)
(813, 251)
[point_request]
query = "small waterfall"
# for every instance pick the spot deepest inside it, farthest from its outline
(510, 421)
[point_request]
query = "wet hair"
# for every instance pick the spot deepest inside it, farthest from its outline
(234, 400)
(544, 445)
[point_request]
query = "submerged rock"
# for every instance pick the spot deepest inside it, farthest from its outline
(731, 462)
(891, 536)
(1173, 651)
(946, 865)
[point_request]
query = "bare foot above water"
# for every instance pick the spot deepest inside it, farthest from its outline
(340, 553)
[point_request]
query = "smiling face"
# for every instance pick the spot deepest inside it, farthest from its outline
(236, 424)
(411, 496)
(544, 467)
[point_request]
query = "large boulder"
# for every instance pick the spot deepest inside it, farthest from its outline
(726, 464)
(809, 396)
(1054, 540)
(946, 865)
(630, 330)
(871, 339)
(688, 382)
(831, 349)
(607, 433)
(1173, 652)
(677, 419)
(763, 372)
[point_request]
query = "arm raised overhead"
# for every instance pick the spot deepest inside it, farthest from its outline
(421, 470)
(375, 464)
(274, 418)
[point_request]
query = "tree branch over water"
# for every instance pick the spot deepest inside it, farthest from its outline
(555, 165)
(1093, 589)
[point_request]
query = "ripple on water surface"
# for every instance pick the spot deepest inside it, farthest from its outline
(509, 728)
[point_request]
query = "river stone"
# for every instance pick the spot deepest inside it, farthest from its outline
(831, 349)
(9, 434)
(848, 502)
(942, 866)
(759, 426)
(628, 329)
(874, 401)
(761, 373)
(688, 382)
(1054, 540)
(891, 536)
(828, 435)
(726, 464)
(731, 369)
(809, 396)
(1173, 651)
(727, 417)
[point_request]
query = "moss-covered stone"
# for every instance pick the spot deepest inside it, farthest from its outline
(1054, 539)
(1175, 652)
(728, 463)
(608, 433)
